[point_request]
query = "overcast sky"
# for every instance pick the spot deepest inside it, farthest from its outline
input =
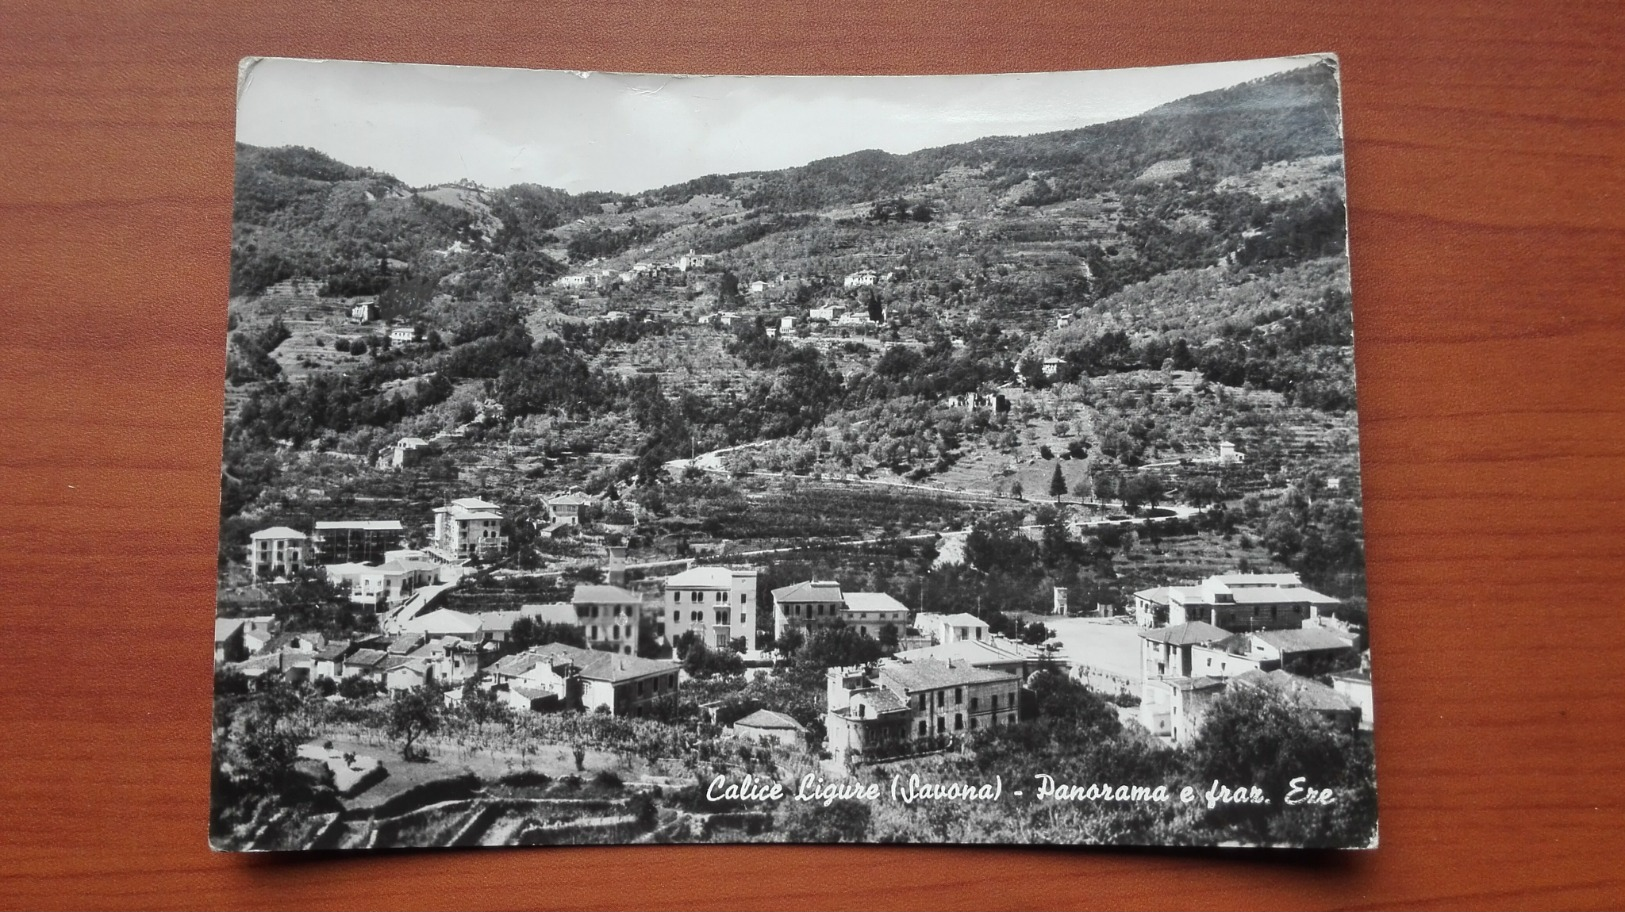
(435, 124)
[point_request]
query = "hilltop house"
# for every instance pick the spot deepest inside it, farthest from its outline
(623, 684)
(1355, 687)
(1305, 650)
(880, 709)
(716, 603)
(767, 725)
(228, 641)
(392, 582)
(950, 628)
(1168, 651)
(364, 312)
(993, 654)
(1174, 707)
(860, 279)
(872, 612)
(568, 509)
(806, 604)
(362, 541)
(408, 452)
(608, 616)
(1234, 602)
(1310, 695)
(468, 527)
(404, 335)
(818, 603)
(277, 551)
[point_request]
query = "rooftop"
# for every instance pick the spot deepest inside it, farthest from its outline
(604, 595)
(224, 628)
(702, 578)
(1264, 595)
(810, 591)
(931, 674)
(1193, 633)
(1306, 639)
(278, 532)
(874, 601)
(1309, 694)
(605, 666)
(443, 620)
(979, 653)
(362, 525)
(767, 718)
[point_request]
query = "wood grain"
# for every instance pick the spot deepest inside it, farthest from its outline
(1486, 175)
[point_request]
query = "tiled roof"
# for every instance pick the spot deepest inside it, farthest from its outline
(930, 674)
(873, 601)
(1266, 595)
(278, 532)
(598, 665)
(963, 620)
(973, 652)
(1306, 639)
(366, 525)
(366, 658)
(702, 578)
(1189, 634)
(767, 718)
(225, 627)
(1309, 694)
(442, 621)
(1158, 595)
(812, 591)
(604, 595)
(885, 701)
(333, 651)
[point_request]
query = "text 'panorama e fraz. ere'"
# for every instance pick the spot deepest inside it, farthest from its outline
(914, 788)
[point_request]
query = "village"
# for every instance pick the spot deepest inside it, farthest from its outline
(928, 681)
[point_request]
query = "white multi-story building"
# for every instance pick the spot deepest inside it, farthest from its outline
(468, 527)
(716, 603)
(276, 551)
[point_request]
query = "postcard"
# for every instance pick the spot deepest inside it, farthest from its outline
(658, 459)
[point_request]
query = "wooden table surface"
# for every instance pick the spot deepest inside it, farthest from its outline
(1486, 177)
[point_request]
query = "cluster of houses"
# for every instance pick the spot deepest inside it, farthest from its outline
(956, 678)
(670, 272)
(1239, 630)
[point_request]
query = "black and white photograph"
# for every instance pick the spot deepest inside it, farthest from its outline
(645, 459)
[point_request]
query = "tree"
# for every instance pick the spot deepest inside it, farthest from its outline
(1143, 488)
(1057, 483)
(528, 632)
(413, 714)
(888, 637)
(1015, 489)
(1259, 737)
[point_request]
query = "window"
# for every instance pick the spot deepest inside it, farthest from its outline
(973, 702)
(959, 695)
(741, 617)
(973, 724)
(942, 726)
(862, 710)
(676, 598)
(741, 598)
(922, 728)
(694, 616)
(959, 722)
(995, 702)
